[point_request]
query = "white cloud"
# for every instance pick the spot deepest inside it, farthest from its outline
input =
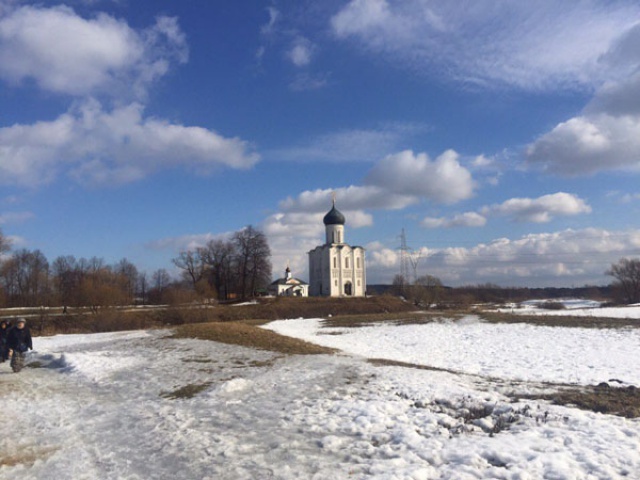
(482, 162)
(306, 81)
(537, 210)
(565, 258)
(15, 217)
(541, 209)
(187, 242)
(268, 31)
(630, 197)
(588, 144)
(269, 28)
(349, 198)
(291, 235)
(354, 145)
(65, 53)
(539, 45)
(105, 147)
(301, 52)
(442, 180)
(606, 134)
(394, 183)
(468, 219)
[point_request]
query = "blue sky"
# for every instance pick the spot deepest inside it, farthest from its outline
(502, 136)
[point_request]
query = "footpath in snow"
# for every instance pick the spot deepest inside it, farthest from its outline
(112, 406)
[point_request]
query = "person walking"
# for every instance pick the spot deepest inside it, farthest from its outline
(18, 342)
(4, 350)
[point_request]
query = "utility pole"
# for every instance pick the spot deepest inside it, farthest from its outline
(404, 258)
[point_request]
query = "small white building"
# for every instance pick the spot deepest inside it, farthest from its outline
(289, 286)
(336, 269)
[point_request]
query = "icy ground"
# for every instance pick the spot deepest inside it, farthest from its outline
(103, 407)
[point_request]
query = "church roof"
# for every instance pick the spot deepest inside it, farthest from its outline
(334, 217)
(290, 281)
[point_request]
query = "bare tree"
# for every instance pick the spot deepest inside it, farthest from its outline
(217, 256)
(427, 290)
(5, 244)
(66, 280)
(128, 276)
(253, 260)
(160, 281)
(192, 266)
(143, 287)
(627, 275)
(399, 285)
(25, 278)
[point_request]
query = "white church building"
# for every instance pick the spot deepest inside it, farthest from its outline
(336, 269)
(289, 286)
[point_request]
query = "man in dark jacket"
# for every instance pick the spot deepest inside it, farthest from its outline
(18, 342)
(4, 331)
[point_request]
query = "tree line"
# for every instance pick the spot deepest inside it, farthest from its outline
(428, 290)
(236, 268)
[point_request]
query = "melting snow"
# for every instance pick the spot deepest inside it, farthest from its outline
(108, 406)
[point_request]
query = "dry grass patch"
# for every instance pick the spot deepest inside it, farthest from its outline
(560, 320)
(235, 333)
(27, 458)
(188, 391)
(383, 362)
(398, 318)
(620, 401)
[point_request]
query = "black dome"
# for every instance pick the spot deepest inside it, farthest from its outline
(334, 217)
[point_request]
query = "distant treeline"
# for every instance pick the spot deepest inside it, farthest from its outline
(236, 268)
(488, 293)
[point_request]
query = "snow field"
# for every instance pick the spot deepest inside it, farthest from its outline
(99, 409)
(506, 351)
(575, 308)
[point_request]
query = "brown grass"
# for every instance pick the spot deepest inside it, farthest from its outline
(235, 333)
(26, 458)
(396, 318)
(188, 391)
(620, 401)
(560, 320)
(267, 309)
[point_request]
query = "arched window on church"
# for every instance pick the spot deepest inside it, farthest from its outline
(335, 262)
(357, 262)
(346, 260)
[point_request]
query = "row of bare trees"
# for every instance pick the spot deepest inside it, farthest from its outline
(27, 279)
(239, 267)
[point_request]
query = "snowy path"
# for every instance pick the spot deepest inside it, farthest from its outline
(100, 411)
